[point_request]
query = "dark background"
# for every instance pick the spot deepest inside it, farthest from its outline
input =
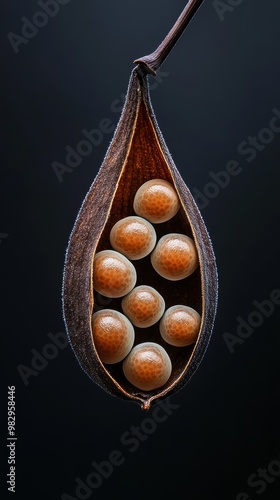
(223, 82)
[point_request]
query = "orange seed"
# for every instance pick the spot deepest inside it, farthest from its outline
(113, 335)
(156, 200)
(175, 257)
(133, 236)
(113, 274)
(148, 366)
(180, 325)
(144, 306)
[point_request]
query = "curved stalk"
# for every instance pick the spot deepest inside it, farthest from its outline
(152, 62)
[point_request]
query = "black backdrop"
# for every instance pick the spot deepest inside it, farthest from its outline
(219, 436)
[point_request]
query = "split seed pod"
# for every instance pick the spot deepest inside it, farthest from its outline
(137, 153)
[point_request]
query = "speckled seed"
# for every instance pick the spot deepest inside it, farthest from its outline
(175, 256)
(180, 325)
(156, 200)
(134, 237)
(113, 335)
(148, 366)
(113, 274)
(144, 306)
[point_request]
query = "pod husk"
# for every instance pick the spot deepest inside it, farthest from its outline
(136, 154)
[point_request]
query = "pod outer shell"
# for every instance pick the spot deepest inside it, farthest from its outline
(78, 293)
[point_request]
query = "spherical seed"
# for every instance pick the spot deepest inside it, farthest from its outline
(175, 256)
(180, 325)
(113, 335)
(133, 236)
(144, 306)
(148, 366)
(113, 274)
(156, 200)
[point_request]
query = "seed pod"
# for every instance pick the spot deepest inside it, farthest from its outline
(137, 154)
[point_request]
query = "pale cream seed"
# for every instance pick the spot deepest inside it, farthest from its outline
(148, 366)
(144, 306)
(113, 274)
(156, 200)
(133, 236)
(180, 325)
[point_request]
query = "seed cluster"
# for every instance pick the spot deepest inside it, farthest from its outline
(147, 365)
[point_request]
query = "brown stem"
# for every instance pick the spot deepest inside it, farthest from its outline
(152, 62)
